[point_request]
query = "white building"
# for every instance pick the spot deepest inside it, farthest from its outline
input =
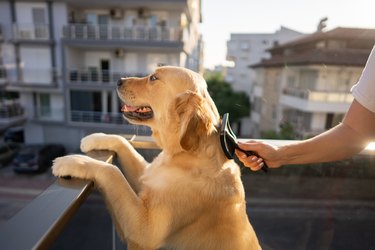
(250, 48)
(307, 82)
(64, 58)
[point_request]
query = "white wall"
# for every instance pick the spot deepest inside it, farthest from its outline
(130, 63)
(92, 59)
(24, 13)
(318, 121)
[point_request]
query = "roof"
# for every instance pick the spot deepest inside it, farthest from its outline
(355, 51)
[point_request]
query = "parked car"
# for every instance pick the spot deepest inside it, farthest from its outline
(15, 134)
(37, 158)
(8, 150)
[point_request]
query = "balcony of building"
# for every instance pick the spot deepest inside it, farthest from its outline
(96, 118)
(27, 78)
(45, 113)
(93, 76)
(31, 32)
(132, 27)
(12, 113)
(319, 206)
(315, 100)
(149, 34)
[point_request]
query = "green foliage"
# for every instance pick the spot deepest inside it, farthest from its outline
(237, 104)
(286, 133)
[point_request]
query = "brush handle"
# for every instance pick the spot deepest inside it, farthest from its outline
(250, 153)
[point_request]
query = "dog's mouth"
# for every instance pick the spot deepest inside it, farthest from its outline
(138, 113)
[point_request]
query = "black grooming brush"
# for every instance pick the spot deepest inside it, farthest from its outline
(229, 143)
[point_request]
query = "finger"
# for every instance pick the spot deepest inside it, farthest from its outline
(245, 158)
(257, 167)
(249, 146)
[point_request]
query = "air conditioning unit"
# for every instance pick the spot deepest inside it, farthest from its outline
(119, 53)
(143, 13)
(116, 13)
(25, 34)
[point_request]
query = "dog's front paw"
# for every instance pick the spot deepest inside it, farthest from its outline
(99, 141)
(79, 166)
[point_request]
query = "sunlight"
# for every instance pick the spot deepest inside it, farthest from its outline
(371, 146)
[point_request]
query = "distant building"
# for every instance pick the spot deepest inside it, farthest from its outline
(307, 82)
(250, 48)
(63, 58)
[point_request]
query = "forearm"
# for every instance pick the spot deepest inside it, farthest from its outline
(337, 143)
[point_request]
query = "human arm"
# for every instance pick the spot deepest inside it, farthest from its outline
(342, 141)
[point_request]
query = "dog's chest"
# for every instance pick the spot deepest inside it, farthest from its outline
(159, 177)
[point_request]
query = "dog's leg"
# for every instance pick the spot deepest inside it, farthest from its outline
(133, 246)
(132, 163)
(132, 214)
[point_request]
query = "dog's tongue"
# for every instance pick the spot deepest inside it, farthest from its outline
(127, 108)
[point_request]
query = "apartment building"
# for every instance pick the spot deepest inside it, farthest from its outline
(247, 49)
(307, 82)
(63, 58)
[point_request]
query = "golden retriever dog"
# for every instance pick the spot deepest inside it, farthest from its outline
(190, 196)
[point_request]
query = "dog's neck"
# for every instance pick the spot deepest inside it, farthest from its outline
(171, 146)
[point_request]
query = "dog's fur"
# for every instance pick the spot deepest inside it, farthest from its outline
(190, 196)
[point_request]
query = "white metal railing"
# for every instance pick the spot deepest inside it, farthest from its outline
(109, 32)
(94, 75)
(96, 117)
(47, 113)
(38, 75)
(319, 96)
(30, 31)
(9, 73)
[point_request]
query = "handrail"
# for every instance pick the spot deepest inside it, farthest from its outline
(56, 205)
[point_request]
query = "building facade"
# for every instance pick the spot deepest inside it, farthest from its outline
(307, 82)
(247, 49)
(63, 58)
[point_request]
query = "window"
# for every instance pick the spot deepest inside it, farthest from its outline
(39, 16)
(42, 102)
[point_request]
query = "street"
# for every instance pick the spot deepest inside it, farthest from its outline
(287, 212)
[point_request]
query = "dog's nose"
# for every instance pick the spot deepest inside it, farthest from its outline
(119, 82)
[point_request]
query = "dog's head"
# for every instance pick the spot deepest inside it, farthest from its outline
(174, 102)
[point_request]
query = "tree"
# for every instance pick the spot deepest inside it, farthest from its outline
(237, 104)
(286, 132)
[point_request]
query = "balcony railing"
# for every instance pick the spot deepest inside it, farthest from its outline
(10, 109)
(40, 222)
(37, 76)
(106, 32)
(48, 114)
(97, 76)
(319, 96)
(28, 31)
(96, 117)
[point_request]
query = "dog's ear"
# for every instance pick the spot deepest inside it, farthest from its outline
(195, 119)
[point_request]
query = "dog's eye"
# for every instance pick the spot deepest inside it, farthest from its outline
(153, 78)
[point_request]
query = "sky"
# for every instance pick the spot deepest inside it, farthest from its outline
(223, 17)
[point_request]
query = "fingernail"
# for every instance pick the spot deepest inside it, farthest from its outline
(254, 158)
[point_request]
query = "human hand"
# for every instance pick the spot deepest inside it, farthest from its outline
(266, 153)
